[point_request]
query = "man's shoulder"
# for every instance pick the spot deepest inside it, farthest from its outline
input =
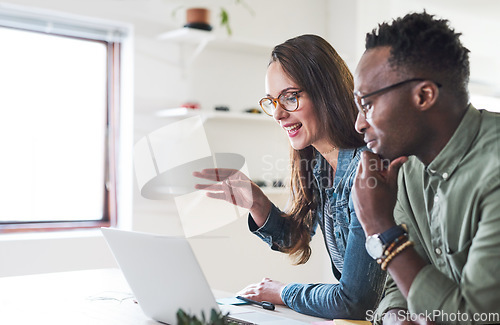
(489, 130)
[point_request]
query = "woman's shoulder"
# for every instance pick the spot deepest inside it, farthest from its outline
(352, 163)
(352, 156)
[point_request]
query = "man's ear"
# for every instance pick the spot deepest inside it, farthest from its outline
(425, 95)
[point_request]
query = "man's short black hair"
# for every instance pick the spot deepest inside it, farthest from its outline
(426, 47)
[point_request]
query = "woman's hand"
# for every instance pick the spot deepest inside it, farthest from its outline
(265, 290)
(236, 188)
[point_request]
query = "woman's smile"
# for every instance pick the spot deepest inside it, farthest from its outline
(292, 129)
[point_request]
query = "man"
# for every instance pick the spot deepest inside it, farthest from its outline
(411, 90)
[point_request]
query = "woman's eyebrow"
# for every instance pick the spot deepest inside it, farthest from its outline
(285, 90)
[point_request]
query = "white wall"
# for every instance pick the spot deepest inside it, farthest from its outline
(160, 83)
(234, 79)
(478, 21)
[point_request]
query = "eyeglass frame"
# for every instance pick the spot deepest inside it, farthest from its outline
(359, 99)
(276, 101)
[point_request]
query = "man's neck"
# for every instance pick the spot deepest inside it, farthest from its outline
(444, 124)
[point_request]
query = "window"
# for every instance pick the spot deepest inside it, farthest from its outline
(59, 118)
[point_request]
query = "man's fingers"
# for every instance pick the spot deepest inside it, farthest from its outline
(393, 170)
(370, 164)
(359, 171)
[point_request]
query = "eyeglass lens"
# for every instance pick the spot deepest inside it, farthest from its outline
(288, 101)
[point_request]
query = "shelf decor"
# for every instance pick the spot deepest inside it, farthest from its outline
(198, 18)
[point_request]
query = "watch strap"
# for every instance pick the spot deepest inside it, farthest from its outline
(392, 234)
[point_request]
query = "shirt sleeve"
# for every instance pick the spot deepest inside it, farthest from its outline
(359, 288)
(393, 298)
(274, 231)
(477, 294)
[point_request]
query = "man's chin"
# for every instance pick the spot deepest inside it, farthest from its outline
(384, 154)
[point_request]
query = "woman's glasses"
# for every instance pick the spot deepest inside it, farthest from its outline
(289, 101)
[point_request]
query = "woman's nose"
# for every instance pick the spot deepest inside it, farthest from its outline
(279, 113)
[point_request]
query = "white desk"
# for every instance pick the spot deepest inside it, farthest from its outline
(93, 297)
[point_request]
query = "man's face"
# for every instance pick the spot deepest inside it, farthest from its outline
(390, 126)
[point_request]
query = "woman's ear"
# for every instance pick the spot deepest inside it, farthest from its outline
(425, 95)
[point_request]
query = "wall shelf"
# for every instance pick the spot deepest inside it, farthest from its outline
(202, 38)
(187, 35)
(187, 112)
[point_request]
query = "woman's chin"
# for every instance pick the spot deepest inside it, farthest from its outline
(297, 146)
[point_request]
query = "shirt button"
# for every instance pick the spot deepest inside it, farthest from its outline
(436, 198)
(438, 251)
(445, 176)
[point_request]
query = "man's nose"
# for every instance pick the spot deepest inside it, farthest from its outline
(361, 124)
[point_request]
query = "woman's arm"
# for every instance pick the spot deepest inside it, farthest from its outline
(359, 288)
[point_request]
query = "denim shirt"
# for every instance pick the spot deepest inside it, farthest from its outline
(361, 279)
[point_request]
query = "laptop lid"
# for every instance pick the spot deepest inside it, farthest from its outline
(162, 272)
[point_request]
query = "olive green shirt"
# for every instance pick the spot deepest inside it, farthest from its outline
(452, 209)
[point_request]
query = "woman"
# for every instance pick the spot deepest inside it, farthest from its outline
(310, 95)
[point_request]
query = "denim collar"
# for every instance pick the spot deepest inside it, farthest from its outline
(322, 168)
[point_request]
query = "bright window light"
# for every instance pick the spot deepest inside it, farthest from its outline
(53, 115)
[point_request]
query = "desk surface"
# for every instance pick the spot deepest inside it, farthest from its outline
(92, 297)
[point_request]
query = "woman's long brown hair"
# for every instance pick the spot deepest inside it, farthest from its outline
(314, 65)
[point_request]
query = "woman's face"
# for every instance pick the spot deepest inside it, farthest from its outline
(300, 125)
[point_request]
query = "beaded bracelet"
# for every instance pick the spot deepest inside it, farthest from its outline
(398, 250)
(398, 241)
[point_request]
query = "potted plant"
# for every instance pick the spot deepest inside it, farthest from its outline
(200, 17)
(216, 318)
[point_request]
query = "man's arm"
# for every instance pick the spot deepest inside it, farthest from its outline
(478, 292)
(424, 285)
(375, 193)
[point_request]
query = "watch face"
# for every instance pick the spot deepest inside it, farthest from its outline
(374, 246)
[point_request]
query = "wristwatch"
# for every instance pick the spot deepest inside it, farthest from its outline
(377, 243)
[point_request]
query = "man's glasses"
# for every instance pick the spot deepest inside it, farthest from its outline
(366, 108)
(289, 101)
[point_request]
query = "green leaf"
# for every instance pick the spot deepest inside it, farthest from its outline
(174, 12)
(224, 20)
(216, 318)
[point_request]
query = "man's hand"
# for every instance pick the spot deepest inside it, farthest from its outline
(375, 192)
(265, 290)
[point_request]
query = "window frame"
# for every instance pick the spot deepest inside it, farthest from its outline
(114, 36)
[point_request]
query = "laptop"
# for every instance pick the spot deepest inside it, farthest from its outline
(164, 276)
